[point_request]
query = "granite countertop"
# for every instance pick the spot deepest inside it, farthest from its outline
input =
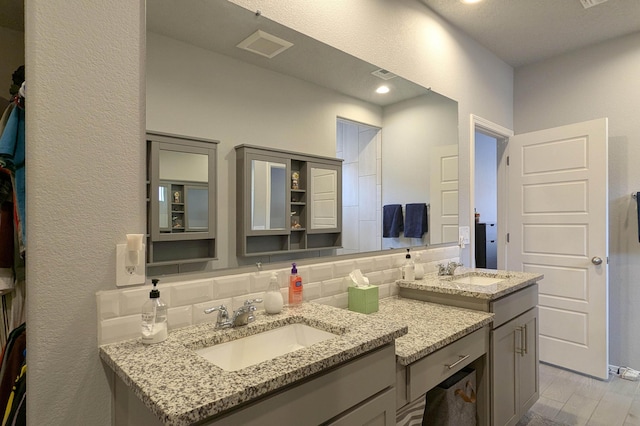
(431, 326)
(181, 388)
(511, 282)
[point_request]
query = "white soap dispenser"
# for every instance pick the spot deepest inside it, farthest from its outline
(273, 300)
(408, 268)
(154, 317)
(419, 268)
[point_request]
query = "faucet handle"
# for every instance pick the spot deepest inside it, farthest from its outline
(250, 302)
(223, 314)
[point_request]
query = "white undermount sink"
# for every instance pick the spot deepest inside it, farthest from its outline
(477, 280)
(241, 353)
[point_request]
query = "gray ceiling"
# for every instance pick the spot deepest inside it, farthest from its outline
(518, 31)
(522, 32)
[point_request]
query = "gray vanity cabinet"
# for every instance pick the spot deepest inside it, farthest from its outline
(515, 368)
(181, 199)
(513, 355)
(287, 201)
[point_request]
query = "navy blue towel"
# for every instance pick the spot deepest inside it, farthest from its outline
(638, 208)
(392, 223)
(416, 220)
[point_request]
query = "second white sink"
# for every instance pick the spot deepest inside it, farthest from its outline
(238, 354)
(478, 280)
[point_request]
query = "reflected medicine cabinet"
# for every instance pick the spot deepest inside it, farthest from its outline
(287, 201)
(181, 194)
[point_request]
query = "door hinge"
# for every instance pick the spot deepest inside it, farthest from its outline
(507, 160)
(507, 237)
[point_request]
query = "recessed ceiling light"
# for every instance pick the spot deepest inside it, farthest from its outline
(382, 89)
(470, 1)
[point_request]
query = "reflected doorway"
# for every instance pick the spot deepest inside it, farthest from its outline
(359, 145)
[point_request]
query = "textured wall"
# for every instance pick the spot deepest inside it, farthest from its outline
(85, 191)
(599, 81)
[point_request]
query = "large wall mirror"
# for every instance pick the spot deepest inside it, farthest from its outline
(397, 148)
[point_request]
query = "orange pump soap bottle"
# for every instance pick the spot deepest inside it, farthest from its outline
(295, 287)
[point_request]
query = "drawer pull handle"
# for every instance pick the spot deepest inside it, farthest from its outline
(462, 358)
(525, 348)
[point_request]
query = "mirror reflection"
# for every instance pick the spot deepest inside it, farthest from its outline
(313, 99)
(268, 195)
(324, 198)
(183, 204)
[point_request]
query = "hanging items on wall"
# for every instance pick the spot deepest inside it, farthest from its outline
(12, 206)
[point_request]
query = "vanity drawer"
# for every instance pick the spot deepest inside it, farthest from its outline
(509, 307)
(431, 370)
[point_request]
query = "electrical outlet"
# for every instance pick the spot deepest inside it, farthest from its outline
(463, 232)
(123, 276)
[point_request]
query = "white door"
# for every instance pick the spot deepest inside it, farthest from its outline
(558, 226)
(443, 189)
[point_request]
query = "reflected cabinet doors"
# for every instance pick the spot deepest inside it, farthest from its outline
(182, 192)
(287, 201)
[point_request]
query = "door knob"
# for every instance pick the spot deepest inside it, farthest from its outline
(596, 260)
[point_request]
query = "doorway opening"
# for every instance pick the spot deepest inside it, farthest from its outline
(486, 200)
(489, 151)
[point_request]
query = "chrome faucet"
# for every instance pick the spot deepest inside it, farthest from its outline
(242, 316)
(449, 269)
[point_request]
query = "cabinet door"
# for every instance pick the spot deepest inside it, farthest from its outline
(504, 374)
(324, 198)
(378, 411)
(528, 360)
(514, 371)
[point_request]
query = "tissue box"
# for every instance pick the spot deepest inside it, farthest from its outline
(363, 299)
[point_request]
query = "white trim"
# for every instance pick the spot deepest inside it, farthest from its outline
(499, 132)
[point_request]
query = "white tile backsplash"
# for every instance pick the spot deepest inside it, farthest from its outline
(343, 268)
(231, 286)
(108, 305)
(119, 310)
(180, 317)
(191, 292)
(121, 328)
(310, 291)
(131, 301)
(259, 281)
(320, 272)
(333, 287)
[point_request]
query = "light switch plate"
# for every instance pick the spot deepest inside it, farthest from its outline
(124, 278)
(463, 231)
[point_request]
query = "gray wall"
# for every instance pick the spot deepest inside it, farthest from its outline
(85, 133)
(600, 81)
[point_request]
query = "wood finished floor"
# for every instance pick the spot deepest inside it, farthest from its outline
(567, 398)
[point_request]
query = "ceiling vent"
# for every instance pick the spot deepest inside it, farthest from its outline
(264, 44)
(590, 3)
(384, 74)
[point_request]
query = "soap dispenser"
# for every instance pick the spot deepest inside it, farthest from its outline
(295, 287)
(273, 300)
(408, 268)
(418, 268)
(154, 317)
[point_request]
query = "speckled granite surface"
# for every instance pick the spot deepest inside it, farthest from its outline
(511, 281)
(431, 326)
(180, 387)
